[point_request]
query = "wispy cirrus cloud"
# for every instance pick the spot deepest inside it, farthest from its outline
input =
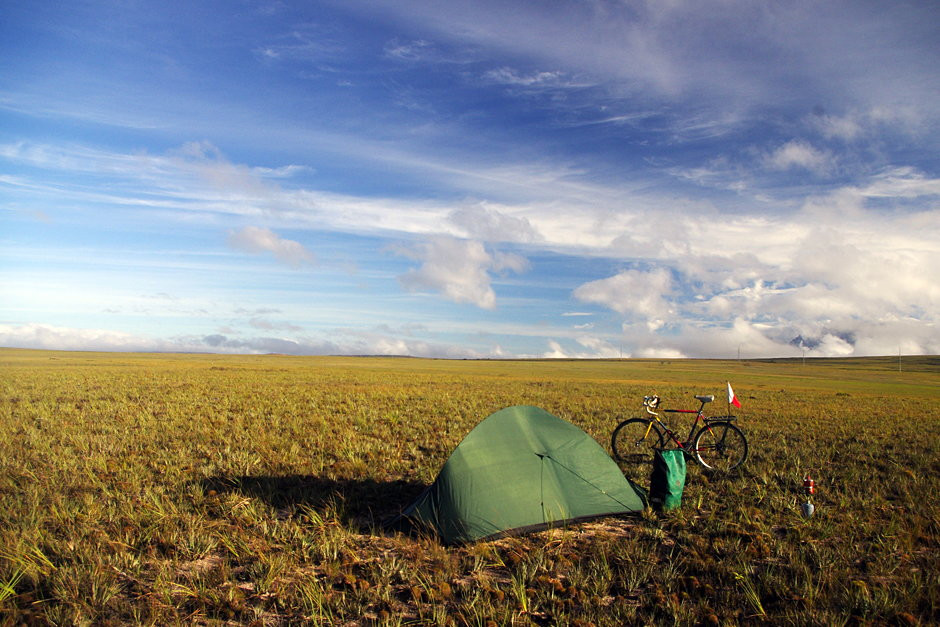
(534, 80)
(415, 50)
(509, 76)
(310, 42)
(688, 50)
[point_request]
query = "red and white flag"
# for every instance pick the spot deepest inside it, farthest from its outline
(732, 399)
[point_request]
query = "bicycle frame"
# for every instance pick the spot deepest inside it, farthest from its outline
(700, 417)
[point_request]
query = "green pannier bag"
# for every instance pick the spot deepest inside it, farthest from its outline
(667, 479)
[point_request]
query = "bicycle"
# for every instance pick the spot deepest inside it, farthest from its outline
(717, 446)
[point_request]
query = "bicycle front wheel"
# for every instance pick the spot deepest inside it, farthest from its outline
(633, 443)
(720, 446)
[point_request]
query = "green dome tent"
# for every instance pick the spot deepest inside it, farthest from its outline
(520, 470)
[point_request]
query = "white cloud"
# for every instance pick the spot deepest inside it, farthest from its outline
(509, 262)
(847, 127)
(851, 272)
(41, 336)
(458, 269)
(652, 352)
(900, 182)
(860, 125)
(256, 240)
(342, 342)
(555, 352)
(642, 295)
(479, 221)
(756, 339)
(231, 182)
(800, 154)
(591, 348)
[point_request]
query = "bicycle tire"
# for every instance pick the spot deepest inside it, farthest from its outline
(633, 443)
(720, 447)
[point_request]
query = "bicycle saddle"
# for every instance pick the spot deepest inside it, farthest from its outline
(706, 399)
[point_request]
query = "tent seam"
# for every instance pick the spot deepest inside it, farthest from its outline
(601, 490)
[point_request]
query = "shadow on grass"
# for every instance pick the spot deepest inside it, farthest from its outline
(362, 504)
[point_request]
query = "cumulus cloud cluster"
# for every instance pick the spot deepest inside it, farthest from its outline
(637, 294)
(838, 277)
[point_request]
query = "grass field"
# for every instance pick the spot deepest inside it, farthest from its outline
(162, 489)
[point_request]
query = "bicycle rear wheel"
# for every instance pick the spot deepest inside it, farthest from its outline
(720, 446)
(633, 443)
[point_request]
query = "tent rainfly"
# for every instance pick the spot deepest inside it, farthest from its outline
(520, 470)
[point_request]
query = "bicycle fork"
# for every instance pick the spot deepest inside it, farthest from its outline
(646, 434)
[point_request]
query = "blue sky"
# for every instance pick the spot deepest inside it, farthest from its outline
(498, 179)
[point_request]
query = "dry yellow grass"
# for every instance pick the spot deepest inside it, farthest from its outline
(156, 489)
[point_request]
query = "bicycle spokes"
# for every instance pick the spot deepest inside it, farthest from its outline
(633, 443)
(720, 446)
